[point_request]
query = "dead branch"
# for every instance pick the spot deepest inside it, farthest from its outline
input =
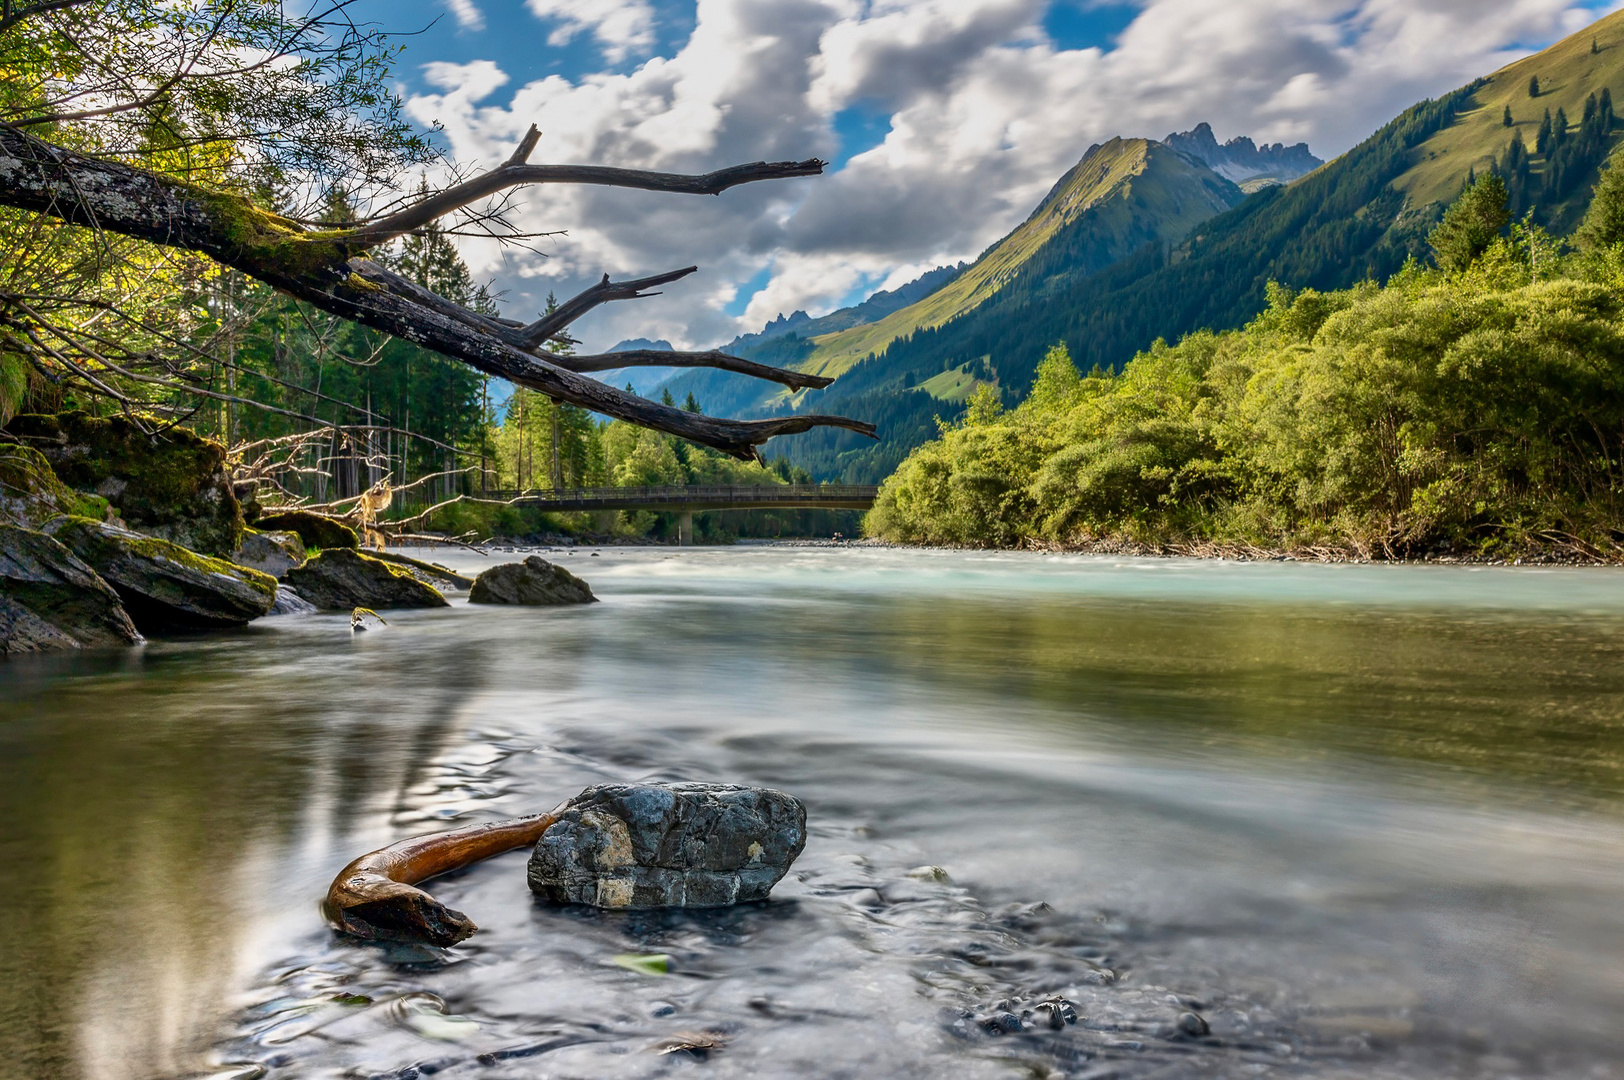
(515, 173)
(374, 898)
(796, 380)
(548, 326)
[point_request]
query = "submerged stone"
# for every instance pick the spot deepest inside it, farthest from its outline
(340, 580)
(668, 845)
(535, 582)
(166, 482)
(314, 530)
(289, 602)
(50, 599)
(163, 585)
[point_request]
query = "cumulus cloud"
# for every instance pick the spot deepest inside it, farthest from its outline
(467, 15)
(985, 112)
(622, 27)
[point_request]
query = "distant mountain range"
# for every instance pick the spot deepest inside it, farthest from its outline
(1151, 239)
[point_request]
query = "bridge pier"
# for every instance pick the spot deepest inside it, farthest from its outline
(685, 528)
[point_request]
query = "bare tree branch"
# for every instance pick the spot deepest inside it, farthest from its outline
(13, 16)
(796, 380)
(548, 326)
(515, 173)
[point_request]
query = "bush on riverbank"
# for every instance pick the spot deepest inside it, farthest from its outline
(1480, 411)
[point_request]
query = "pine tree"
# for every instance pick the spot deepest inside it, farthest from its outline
(1533, 86)
(692, 404)
(1594, 49)
(1559, 129)
(1542, 141)
(1506, 120)
(1471, 224)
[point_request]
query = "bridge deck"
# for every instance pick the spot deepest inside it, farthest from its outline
(692, 498)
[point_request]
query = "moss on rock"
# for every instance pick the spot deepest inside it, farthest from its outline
(340, 580)
(163, 585)
(31, 494)
(173, 484)
(42, 582)
(315, 530)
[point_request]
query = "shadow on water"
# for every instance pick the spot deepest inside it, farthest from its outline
(1289, 824)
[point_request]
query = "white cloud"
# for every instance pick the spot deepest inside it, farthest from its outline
(467, 15)
(985, 113)
(622, 27)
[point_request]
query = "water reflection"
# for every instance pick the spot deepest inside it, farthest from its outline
(1362, 824)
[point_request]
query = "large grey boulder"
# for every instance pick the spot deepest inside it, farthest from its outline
(163, 585)
(668, 845)
(534, 582)
(340, 579)
(49, 598)
(273, 553)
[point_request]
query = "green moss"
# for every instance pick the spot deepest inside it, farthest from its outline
(31, 493)
(175, 483)
(275, 243)
(90, 539)
(316, 531)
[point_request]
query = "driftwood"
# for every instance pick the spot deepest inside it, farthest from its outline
(329, 269)
(374, 897)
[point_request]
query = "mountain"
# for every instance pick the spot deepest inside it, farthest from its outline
(644, 381)
(1120, 196)
(876, 307)
(1243, 162)
(1360, 216)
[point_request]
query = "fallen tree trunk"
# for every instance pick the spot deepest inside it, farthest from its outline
(329, 269)
(375, 897)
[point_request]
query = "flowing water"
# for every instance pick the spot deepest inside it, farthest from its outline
(1361, 821)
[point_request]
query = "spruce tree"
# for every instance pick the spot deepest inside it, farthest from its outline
(1604, 222)
(1594, 49)
(1533, 86)
(1471, 224)
(1542, 141)
(1559, 129)
(1506, 121)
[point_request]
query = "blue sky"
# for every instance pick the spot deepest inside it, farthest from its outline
(944, 120)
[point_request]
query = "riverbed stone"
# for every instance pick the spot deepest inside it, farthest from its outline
(163, 480)
(668, 845)
(50, 599)
(289, 602)
(164, 586)
(534, 582)
(273, 553)
(340, 579)
(317, 532)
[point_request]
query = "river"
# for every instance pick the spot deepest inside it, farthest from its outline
(1363, 821)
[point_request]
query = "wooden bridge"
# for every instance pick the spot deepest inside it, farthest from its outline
(685, 501)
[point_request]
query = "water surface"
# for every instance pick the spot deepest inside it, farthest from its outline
(1365, 821)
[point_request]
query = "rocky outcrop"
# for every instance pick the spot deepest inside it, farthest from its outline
(677, 845)
(50, 599)
(273, 553)
(31, 494)
(170, 483)
(340, 579)
(164, 586)
(534, 582)
(320, 533)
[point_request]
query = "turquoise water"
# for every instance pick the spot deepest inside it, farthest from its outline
(1364, 820)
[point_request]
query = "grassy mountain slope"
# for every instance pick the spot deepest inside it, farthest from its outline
(1568, 73)
(1123, 194)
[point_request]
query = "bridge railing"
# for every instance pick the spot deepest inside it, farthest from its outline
(709, 493)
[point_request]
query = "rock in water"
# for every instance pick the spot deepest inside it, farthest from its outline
(340, 580)
(676, 845)
(316, 531)
(52, 600)
(273, 553)
(289, 602)
(166, 482)
(163, 585)
(534, 581)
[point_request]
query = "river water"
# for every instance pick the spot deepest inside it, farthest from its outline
(1363, 821)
